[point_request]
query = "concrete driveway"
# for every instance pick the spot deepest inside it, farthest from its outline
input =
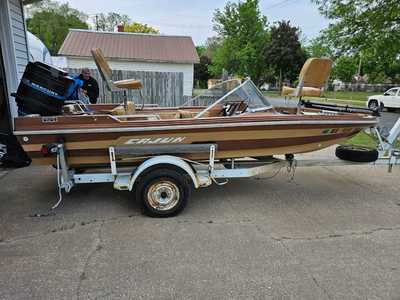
(332, 233)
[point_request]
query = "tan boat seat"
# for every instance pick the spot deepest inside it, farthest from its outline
(306, 91)
(120, 109)
(128, 84)
(312, 79)
(169, 115)
(186, 114)
(106, 74)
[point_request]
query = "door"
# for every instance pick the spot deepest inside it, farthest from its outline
(390, 97)
(396, 102)
(5, 122)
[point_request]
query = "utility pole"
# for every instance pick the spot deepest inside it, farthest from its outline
(359, 66)
(97, 22)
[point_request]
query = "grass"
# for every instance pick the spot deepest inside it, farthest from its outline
(344, 98)
(273, 94)
(346, 95)
(197, 92)
(366, 140)
(362, 139)
(341, 97)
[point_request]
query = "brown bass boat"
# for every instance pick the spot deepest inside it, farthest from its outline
(234, 116)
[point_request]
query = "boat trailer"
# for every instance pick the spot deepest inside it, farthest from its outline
(164, 180)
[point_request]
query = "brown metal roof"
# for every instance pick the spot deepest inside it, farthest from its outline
(130, 46)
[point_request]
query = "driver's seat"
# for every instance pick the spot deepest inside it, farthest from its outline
(106, 74)
(312, 78)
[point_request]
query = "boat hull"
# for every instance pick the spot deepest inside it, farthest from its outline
(89, 147)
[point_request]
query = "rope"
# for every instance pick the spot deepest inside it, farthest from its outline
(272, 176)
(59, 186)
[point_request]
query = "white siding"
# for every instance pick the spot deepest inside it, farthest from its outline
(19, 35)
(14, 45)
(186, 69)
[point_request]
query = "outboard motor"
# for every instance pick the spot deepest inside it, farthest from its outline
(43, 90)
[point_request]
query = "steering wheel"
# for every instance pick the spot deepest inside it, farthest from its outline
(233, 108)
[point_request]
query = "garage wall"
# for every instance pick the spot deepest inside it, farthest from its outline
(19, 35)
(14, 45)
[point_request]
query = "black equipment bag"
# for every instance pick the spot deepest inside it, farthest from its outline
(12, 155)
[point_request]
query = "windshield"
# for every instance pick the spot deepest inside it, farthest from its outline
(231, 92)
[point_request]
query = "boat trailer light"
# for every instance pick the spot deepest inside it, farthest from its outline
(49, 149)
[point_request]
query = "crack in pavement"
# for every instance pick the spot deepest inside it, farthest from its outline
(334, 236)
(321, 287)
(62, 228)
(3, 174)
(345, 177)
(307, 270)
(249, 221)
(293, 255)
(76, 225)
(96, 246)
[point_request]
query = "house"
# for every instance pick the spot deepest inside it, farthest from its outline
(133, 52)
(13, 57)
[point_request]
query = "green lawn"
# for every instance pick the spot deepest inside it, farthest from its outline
(344, 98)
(354, 96)
(362, 139)
(365, 139)
(273, 94)
(350, 98)
(360, 96)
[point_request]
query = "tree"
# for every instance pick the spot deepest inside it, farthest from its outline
(318, 48)
(345, 67)
(51, 22)
(211, 46)
(140, 28)
(284, 53)
(108, 22)
(244, 35)
(201, 70)
(368, 28)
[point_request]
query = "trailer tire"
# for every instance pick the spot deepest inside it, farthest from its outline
(163, 192)
(357, 153)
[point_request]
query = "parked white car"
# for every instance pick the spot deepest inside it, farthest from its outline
(390, 100)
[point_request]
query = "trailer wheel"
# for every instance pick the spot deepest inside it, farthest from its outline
(357, 153)
(163, 192)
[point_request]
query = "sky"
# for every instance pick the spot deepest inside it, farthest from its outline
(194, 18)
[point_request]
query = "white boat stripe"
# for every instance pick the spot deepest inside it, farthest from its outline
(180, 127)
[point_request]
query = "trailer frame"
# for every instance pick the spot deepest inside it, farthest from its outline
(200, 174)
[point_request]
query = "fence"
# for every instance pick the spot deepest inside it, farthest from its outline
(162, 88)
(362, 87)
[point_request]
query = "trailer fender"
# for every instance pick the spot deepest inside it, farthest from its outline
(166, 160)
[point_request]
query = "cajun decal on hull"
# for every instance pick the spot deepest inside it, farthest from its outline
(155, 141)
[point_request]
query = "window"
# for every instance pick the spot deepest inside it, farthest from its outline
(391, 92)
